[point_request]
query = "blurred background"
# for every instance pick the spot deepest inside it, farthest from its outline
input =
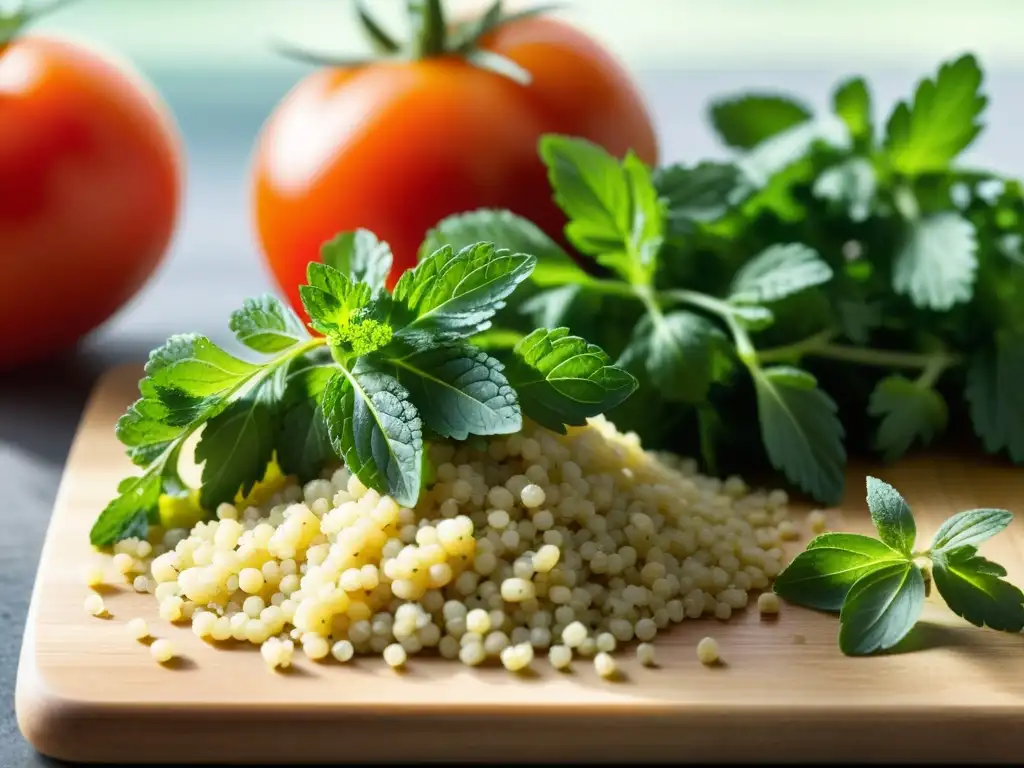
(212, 61)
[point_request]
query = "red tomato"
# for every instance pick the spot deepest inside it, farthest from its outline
(394, 147)
(89, 190)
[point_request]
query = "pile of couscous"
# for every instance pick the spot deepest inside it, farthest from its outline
(534, 544)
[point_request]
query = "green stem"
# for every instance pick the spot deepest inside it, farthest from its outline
(933, 364)
(883, 357)
(12, 23)
(744, 346)
(430, 33)
(793, 352)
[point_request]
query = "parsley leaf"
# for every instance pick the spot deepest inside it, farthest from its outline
(970, 528)
(451, 296)
(681, 351)
(801, 432)
(851, 101)
(821, 576)
(303, 446)
(777, 272)
(554, 266)
(973, 590)
(126, 515)
(562, 380)
(936, 263)
(615, 211)
(460, 390)
(648, 229)
(745, 122)
(942, 121)
(995, 393)
(360, 256)
(344, 311)
(881, 608)
(593, 191)
(143, 430)
(266, 325)
(909, 412)
(190, 375)
(236, 446)
(375, 427)
(891, 516)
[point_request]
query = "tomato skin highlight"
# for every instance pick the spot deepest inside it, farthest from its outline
(89, 191)
(395, 147)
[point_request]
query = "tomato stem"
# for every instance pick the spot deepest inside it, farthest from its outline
(12, 23)
(429, 26)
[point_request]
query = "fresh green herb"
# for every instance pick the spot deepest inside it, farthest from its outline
(878, 585)
(389, 372)
(846, 285)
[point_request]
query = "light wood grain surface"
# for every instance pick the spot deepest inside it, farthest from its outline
(86, 691)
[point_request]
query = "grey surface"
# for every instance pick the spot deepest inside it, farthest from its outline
(213, 266)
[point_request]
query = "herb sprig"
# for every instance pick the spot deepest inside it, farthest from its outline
(389, 372)
(846, 285)
(878, 586)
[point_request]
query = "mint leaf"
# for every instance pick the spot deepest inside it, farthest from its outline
(777, 272)
(126, 515)
(942, 121)
(744, 122)
(995, 394)
(592, 190)
(909, 412)
(360, 256)
(235, 447)
(974, 591)
(970, 528)
(680, 350)
(302, 445)
(377, 431)
(460, 390)
(451, 296)
(701, 193)
(801, 432)
(266, 325)
(936, 263)
(554, 266)
(881, 609)
(562, 380)
(851, 101)
(891, 515)
(822, 575)
(850, 186)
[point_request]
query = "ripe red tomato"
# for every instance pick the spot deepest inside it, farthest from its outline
(395, 146)
(89, 184)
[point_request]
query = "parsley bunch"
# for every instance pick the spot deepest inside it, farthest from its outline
(389, 372)
(878, 585)
(846, 287)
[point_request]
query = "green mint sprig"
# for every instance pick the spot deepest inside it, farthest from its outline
(389, 372)
(846, 285)
(878, 585)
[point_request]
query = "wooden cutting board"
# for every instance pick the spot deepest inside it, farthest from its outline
(87, 692)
